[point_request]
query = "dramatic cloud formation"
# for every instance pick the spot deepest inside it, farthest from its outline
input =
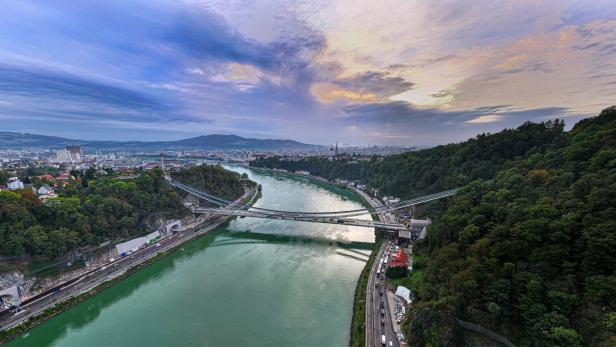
(358, 71)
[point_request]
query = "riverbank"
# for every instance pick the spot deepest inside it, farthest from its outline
(359, 318)
(319, 181)
(360, 313)
(358, 323)
(106, 276)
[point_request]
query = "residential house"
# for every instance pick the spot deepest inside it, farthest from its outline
(15, 184)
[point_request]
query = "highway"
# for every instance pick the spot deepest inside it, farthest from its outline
(375, 328)
(111, 270)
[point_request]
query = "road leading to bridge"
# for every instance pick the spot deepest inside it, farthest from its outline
(375, 328)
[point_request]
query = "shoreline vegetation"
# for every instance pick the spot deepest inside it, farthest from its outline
(358, 322)
(357, 329)
(525, 249)
(21, 328)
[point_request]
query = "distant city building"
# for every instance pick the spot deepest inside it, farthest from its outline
(15, 183)
(75, 153)
(71, 154)
(63, 156)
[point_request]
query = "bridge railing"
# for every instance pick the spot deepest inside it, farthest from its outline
(332, 214)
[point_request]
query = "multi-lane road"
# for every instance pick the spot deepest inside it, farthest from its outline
(378, 323)
(107, 272)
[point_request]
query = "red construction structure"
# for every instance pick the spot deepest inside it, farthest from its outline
(399, 259)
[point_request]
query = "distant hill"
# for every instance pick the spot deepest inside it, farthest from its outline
(12, 140)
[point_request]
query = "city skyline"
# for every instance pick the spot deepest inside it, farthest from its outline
(394, 73)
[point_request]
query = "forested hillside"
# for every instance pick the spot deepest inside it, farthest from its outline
(530, 253)
(214, 179)
(437, 168)
(527, 248)
(106, 208)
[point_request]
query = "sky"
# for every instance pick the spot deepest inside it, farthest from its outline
(409, 72)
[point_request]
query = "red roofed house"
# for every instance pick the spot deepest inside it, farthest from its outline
(47, 177)
(399, 259)
(65, 176)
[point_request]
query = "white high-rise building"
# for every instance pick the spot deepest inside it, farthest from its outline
(63, 156)
(71, 154)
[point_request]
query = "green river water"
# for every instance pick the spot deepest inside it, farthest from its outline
(255, 282)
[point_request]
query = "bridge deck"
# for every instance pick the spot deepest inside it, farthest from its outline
(334, 217)
(341, 221)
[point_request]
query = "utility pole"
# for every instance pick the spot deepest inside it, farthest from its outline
(162, 163)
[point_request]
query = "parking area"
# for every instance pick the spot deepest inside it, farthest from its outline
(398, 311)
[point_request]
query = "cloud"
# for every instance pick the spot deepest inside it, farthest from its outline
(401, 122)
(382, 84)
(369, 86)
(485, 119)
(328, 92)
(61, 87)
(409, 71)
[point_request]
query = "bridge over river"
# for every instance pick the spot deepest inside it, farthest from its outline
(229, 208)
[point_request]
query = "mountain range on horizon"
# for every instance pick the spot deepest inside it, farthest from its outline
(14, 140)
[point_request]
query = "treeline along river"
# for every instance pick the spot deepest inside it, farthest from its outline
(254, 282)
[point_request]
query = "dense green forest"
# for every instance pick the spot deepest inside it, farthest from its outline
(527, 248)
(98, 209)
(214, 179)
(433, 169)
(105, 209)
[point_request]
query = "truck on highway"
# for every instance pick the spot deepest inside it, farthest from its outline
(383, 340)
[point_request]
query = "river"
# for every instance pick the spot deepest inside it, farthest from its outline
(255, 282)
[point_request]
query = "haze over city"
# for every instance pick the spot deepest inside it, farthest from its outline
(414, 73)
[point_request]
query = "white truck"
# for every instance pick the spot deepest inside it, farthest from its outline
(383, 340)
